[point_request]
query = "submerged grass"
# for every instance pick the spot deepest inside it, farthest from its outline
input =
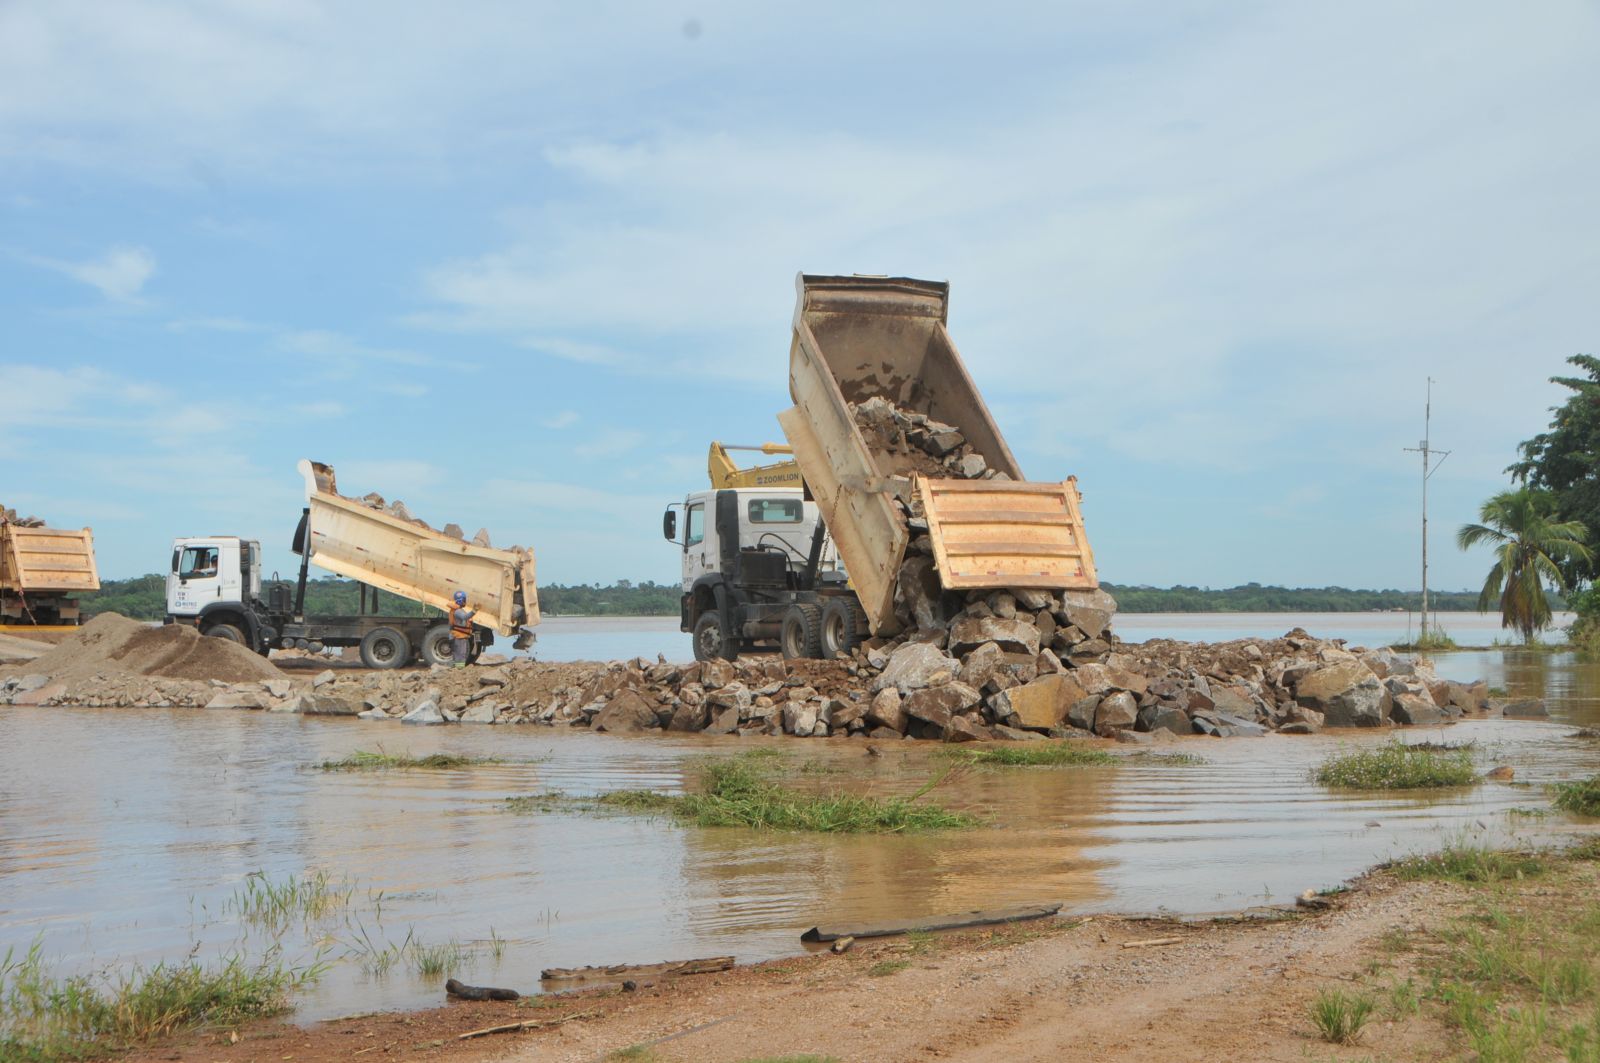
(741, 793)
(1397, 766)
(1033, 754)
(275, 904)
(45, 1018)
(1581, 796)
(380, 760)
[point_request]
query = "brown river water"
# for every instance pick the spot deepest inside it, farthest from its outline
(123, 834)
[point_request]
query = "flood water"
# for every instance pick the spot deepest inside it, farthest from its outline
(124, 832)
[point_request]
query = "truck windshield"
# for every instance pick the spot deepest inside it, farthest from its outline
(696, 526)
(774, 511)
(198, 562)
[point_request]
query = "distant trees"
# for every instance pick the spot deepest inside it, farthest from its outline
(1531, 544)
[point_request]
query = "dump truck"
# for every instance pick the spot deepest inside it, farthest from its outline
(215, 583)
(41, 570)
(855, 339)
(724, 472)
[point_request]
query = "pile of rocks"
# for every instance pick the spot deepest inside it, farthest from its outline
(9, 516)
(905, 442)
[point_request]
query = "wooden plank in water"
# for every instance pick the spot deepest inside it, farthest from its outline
(619, 971)
(935, 922)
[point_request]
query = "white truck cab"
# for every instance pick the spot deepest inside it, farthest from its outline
(216, 568)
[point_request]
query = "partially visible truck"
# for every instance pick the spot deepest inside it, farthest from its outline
(215, 584)
(42, 570)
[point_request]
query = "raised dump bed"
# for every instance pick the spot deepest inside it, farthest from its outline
(859, 338)
(408, 558)
(41, 570)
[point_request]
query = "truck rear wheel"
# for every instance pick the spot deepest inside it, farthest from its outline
(710, 641)
(436, 648)
(385, 648)
(801, 634)
(838, 628)
(231, 632)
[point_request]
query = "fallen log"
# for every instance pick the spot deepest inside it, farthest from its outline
(477, 992)
(635, 971)
(1150, 943)
(530, 1024)
(937, 922)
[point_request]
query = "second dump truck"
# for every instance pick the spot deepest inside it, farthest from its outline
(215, 583)
(42, 571)
(854, 339)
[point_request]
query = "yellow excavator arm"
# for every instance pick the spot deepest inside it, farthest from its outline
(724, 473)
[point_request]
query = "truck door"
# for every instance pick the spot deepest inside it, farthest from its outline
(203, 572)
(699, 543)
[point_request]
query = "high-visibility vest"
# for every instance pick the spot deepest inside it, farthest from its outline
(461, 623)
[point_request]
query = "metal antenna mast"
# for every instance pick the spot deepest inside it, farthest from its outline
(1429, 467)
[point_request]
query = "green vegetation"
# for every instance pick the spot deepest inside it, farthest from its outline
(275, 905)
(1397, 766)
(1033, 754)
(1581, 796)
(1434, 639)
(44, 1018)
(1340, 1016)
(363, 760)
(1255, 598)
(1529, 542)
(1560, 460)
(742, 792)
(1471, 865)
(884, 968)
(436, 961)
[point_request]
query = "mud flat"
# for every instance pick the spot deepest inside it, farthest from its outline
(1096, 988)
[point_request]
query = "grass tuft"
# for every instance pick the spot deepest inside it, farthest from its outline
(1340, 1016)
(367, 760)
(884, 968)
(1470, 864)
(45, 1018)
(741, 793)
(275, 904)
(1033, 754)
(1397, 766)
(1582, 796)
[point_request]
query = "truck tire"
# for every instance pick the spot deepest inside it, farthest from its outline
(801, 634)
(710, 641)
(838, 635)
(385, 648)
(436, 648)
(231, 632)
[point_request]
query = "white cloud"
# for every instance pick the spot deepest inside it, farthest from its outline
(120, 274)
(564, 419)
(324, 408)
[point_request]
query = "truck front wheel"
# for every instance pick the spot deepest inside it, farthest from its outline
(231, 632)
(436, 648)
(385, 648)
(710, 641)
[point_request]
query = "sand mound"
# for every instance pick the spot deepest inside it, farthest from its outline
(111, 643)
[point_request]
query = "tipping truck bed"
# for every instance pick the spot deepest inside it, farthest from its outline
(416, 562)
(40, 569)
(859, 337)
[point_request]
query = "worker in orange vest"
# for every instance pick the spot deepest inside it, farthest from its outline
(460, 629)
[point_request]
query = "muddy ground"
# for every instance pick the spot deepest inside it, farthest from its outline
(1062, 989)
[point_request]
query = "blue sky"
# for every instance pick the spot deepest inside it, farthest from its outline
(518, 264)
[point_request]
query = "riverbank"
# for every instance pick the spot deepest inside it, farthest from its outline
(1097, 987)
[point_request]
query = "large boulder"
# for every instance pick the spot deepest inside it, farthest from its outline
(1013, 636)
(981, 665)
(1526, 709)
(914, 666)
(886, 710)
(937, 704)
(1089, 611)
(424, 714)
(1347, 694)
(919, 595)
(1415, 710)
(1117, 712)
(237, 699)
(316, 704)
(626, 713)
(690, 717)
(962, 729)
(1040, 705)
(1165, 717)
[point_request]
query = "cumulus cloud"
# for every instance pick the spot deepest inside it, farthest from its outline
(120, 274)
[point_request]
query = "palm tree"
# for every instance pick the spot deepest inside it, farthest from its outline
(1529, 543)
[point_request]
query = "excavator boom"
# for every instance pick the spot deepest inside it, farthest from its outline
(724, 473)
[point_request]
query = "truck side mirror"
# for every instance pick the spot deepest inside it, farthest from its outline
(669, 525)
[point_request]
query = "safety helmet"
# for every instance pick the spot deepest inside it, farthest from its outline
(461, 597)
